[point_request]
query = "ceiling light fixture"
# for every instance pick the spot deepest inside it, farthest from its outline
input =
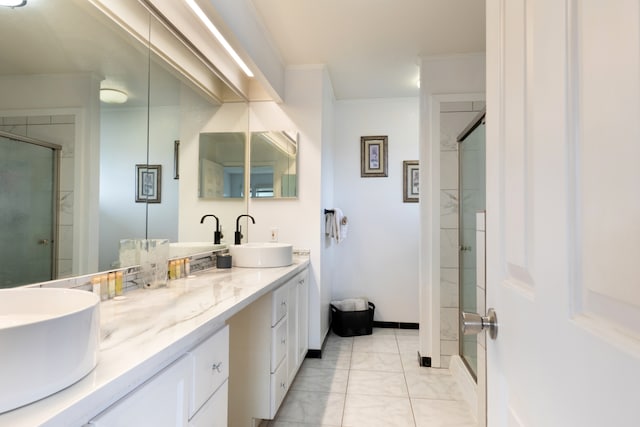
(13, 3)
(113, 96)
(207, 22)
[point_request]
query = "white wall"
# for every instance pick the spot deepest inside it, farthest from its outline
(379, 258)
(300, 221)
(327, 197)
(197, 117)
(443, 79)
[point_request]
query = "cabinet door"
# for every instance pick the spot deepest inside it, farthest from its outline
(303, 315)
(159, 402)
(279, 343)
(292, 329)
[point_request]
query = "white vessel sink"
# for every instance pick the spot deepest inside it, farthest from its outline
(184, 249)
(266, 254)
(49, 339)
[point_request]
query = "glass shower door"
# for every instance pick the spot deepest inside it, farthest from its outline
(28, 185)
(472, 200)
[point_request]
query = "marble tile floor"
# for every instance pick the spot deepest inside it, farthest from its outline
(370, 381)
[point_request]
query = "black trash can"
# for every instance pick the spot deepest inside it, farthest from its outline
(352, 323)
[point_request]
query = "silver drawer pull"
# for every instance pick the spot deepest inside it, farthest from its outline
(283, 386)
(216, 366)
(283, 303)
(284, 341)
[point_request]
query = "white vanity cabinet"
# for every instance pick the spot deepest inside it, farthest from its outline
(266, 345)
(161, 401)
(192, 391)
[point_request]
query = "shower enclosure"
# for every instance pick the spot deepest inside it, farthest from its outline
(28, 210)
(471, 196)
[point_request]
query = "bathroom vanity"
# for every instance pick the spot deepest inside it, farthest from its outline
(165, 354)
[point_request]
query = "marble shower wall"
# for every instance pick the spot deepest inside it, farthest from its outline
(454, 117)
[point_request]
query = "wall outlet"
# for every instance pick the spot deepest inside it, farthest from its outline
(274, 234)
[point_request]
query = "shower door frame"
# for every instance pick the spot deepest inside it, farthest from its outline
(56, 150)
(476, 122)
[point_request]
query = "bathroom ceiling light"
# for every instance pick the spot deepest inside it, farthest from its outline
(13, 3)
(218, 35)
(113, 96)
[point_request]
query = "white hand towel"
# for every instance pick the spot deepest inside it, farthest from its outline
(329, 222)
(340, 225)
(352, 304)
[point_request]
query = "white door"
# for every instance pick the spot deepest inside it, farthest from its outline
(563, 212)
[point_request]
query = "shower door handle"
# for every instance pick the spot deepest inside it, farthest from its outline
(473, 323)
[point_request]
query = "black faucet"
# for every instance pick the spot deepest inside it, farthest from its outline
(239, 236)
(217, 235)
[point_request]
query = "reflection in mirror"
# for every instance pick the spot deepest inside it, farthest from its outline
(50, 84)
(274, 164)
(221, 162)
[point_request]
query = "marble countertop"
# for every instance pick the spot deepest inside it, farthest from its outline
(146, 331)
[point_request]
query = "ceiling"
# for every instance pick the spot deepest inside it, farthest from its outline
(372, 47)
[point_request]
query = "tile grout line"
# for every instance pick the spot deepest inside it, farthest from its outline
(344, 403)
(406, 383)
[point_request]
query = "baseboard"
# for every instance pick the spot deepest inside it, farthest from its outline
(396, 325)
(314, 354)
(424, 361)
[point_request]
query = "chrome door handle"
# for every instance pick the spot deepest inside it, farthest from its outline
(473, 323)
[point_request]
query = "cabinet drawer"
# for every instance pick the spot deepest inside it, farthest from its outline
(210, 368)
(279, 302)
(279, 387)
(214, 412)
(278, 344)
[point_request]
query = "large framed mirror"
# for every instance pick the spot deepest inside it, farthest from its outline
(63, 55)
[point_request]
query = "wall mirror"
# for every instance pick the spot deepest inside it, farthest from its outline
(274, 157)
(51, 76)
(221, 163)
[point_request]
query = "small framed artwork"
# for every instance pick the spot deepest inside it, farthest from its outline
(148, 183)
(411, 181)
(373, 156)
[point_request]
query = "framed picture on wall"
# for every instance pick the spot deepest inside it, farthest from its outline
(411, 181)
(373, 156)
(148, 183)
